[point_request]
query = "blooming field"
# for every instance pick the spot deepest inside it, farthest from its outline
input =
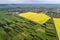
(57, 24)
(40, 18)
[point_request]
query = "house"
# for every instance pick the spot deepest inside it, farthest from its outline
(13, 12)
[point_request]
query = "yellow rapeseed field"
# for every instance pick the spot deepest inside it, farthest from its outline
(57, 24)
(36, 17)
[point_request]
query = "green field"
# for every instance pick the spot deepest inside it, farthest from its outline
(14, 27)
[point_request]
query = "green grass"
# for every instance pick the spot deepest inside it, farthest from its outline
(18, 28)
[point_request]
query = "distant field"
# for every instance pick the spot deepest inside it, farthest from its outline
(14, 27)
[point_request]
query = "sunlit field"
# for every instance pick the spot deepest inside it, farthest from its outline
(40, 18)
(14, 27)
(18, 27)
(57, 25)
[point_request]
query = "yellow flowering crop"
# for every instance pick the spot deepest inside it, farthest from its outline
(57, 26)
(36, 17)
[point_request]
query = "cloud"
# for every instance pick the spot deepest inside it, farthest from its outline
(52, 1)
(30, 1)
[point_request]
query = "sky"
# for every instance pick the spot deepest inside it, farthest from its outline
(29, 1)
